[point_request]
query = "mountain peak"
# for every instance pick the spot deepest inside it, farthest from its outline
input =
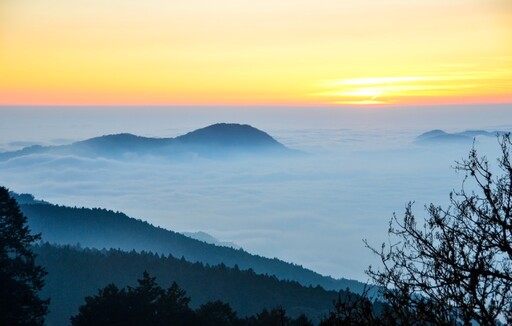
(229, 134)
(219, 140)
(432, 133)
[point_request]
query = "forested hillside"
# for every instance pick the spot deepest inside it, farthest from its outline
(100, 228)
(74, 273)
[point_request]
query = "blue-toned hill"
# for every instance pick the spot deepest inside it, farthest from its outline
(101, 228)
(438, 136)
(216, 141)
(229, 135)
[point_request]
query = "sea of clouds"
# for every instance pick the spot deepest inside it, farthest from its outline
(360, 167)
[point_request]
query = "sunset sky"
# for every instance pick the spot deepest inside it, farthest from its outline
(265, 52)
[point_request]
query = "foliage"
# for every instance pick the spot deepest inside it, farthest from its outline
(146, 304)
(456, 267)
(20, 277)
(84, 271)
(217, 313)
(352, 309)
(149, 304)
(276, 317)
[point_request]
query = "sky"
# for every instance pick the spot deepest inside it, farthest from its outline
(351, 83)
(266, 52)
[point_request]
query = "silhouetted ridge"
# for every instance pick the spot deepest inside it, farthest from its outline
(216, 141)
(100, 228)
(74, 273)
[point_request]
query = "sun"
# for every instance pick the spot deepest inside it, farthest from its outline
(398, 90)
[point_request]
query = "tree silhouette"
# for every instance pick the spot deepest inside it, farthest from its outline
(146, 304)
(20, 278)
(276, 317)
(173, 307)
(108, 307)
(352, 309)
(217, 313)
(456, 267)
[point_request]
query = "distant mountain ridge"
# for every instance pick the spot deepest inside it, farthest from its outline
(214, 141)
(440, 136)
(208, 238)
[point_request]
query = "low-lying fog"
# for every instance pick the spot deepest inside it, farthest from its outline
(314, 210)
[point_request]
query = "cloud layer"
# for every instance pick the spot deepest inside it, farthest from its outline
(312, 210)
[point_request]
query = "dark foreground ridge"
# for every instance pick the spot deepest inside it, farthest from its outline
(216, 141)
(74, 273)
(121, 248)
(101, 228)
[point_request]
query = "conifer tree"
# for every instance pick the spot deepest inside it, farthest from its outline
(20, 278)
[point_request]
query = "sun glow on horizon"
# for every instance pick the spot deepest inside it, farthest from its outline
(326, 52)
(399, 90)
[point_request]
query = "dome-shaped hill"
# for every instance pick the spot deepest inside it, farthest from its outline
(431, 134)
(229, 134)
(441, 137)
(222, 140)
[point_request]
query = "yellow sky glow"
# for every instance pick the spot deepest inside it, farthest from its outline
(225, 52)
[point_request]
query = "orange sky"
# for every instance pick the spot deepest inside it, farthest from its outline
(237, 52)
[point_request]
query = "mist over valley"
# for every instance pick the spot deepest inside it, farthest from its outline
(311, 209)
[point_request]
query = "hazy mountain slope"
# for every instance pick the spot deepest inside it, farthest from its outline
(75, 273)
(431, 134)
(217, 140)
(440, 137)
(205, 237)
(474, 133)
(119, 144)
(100, 228)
